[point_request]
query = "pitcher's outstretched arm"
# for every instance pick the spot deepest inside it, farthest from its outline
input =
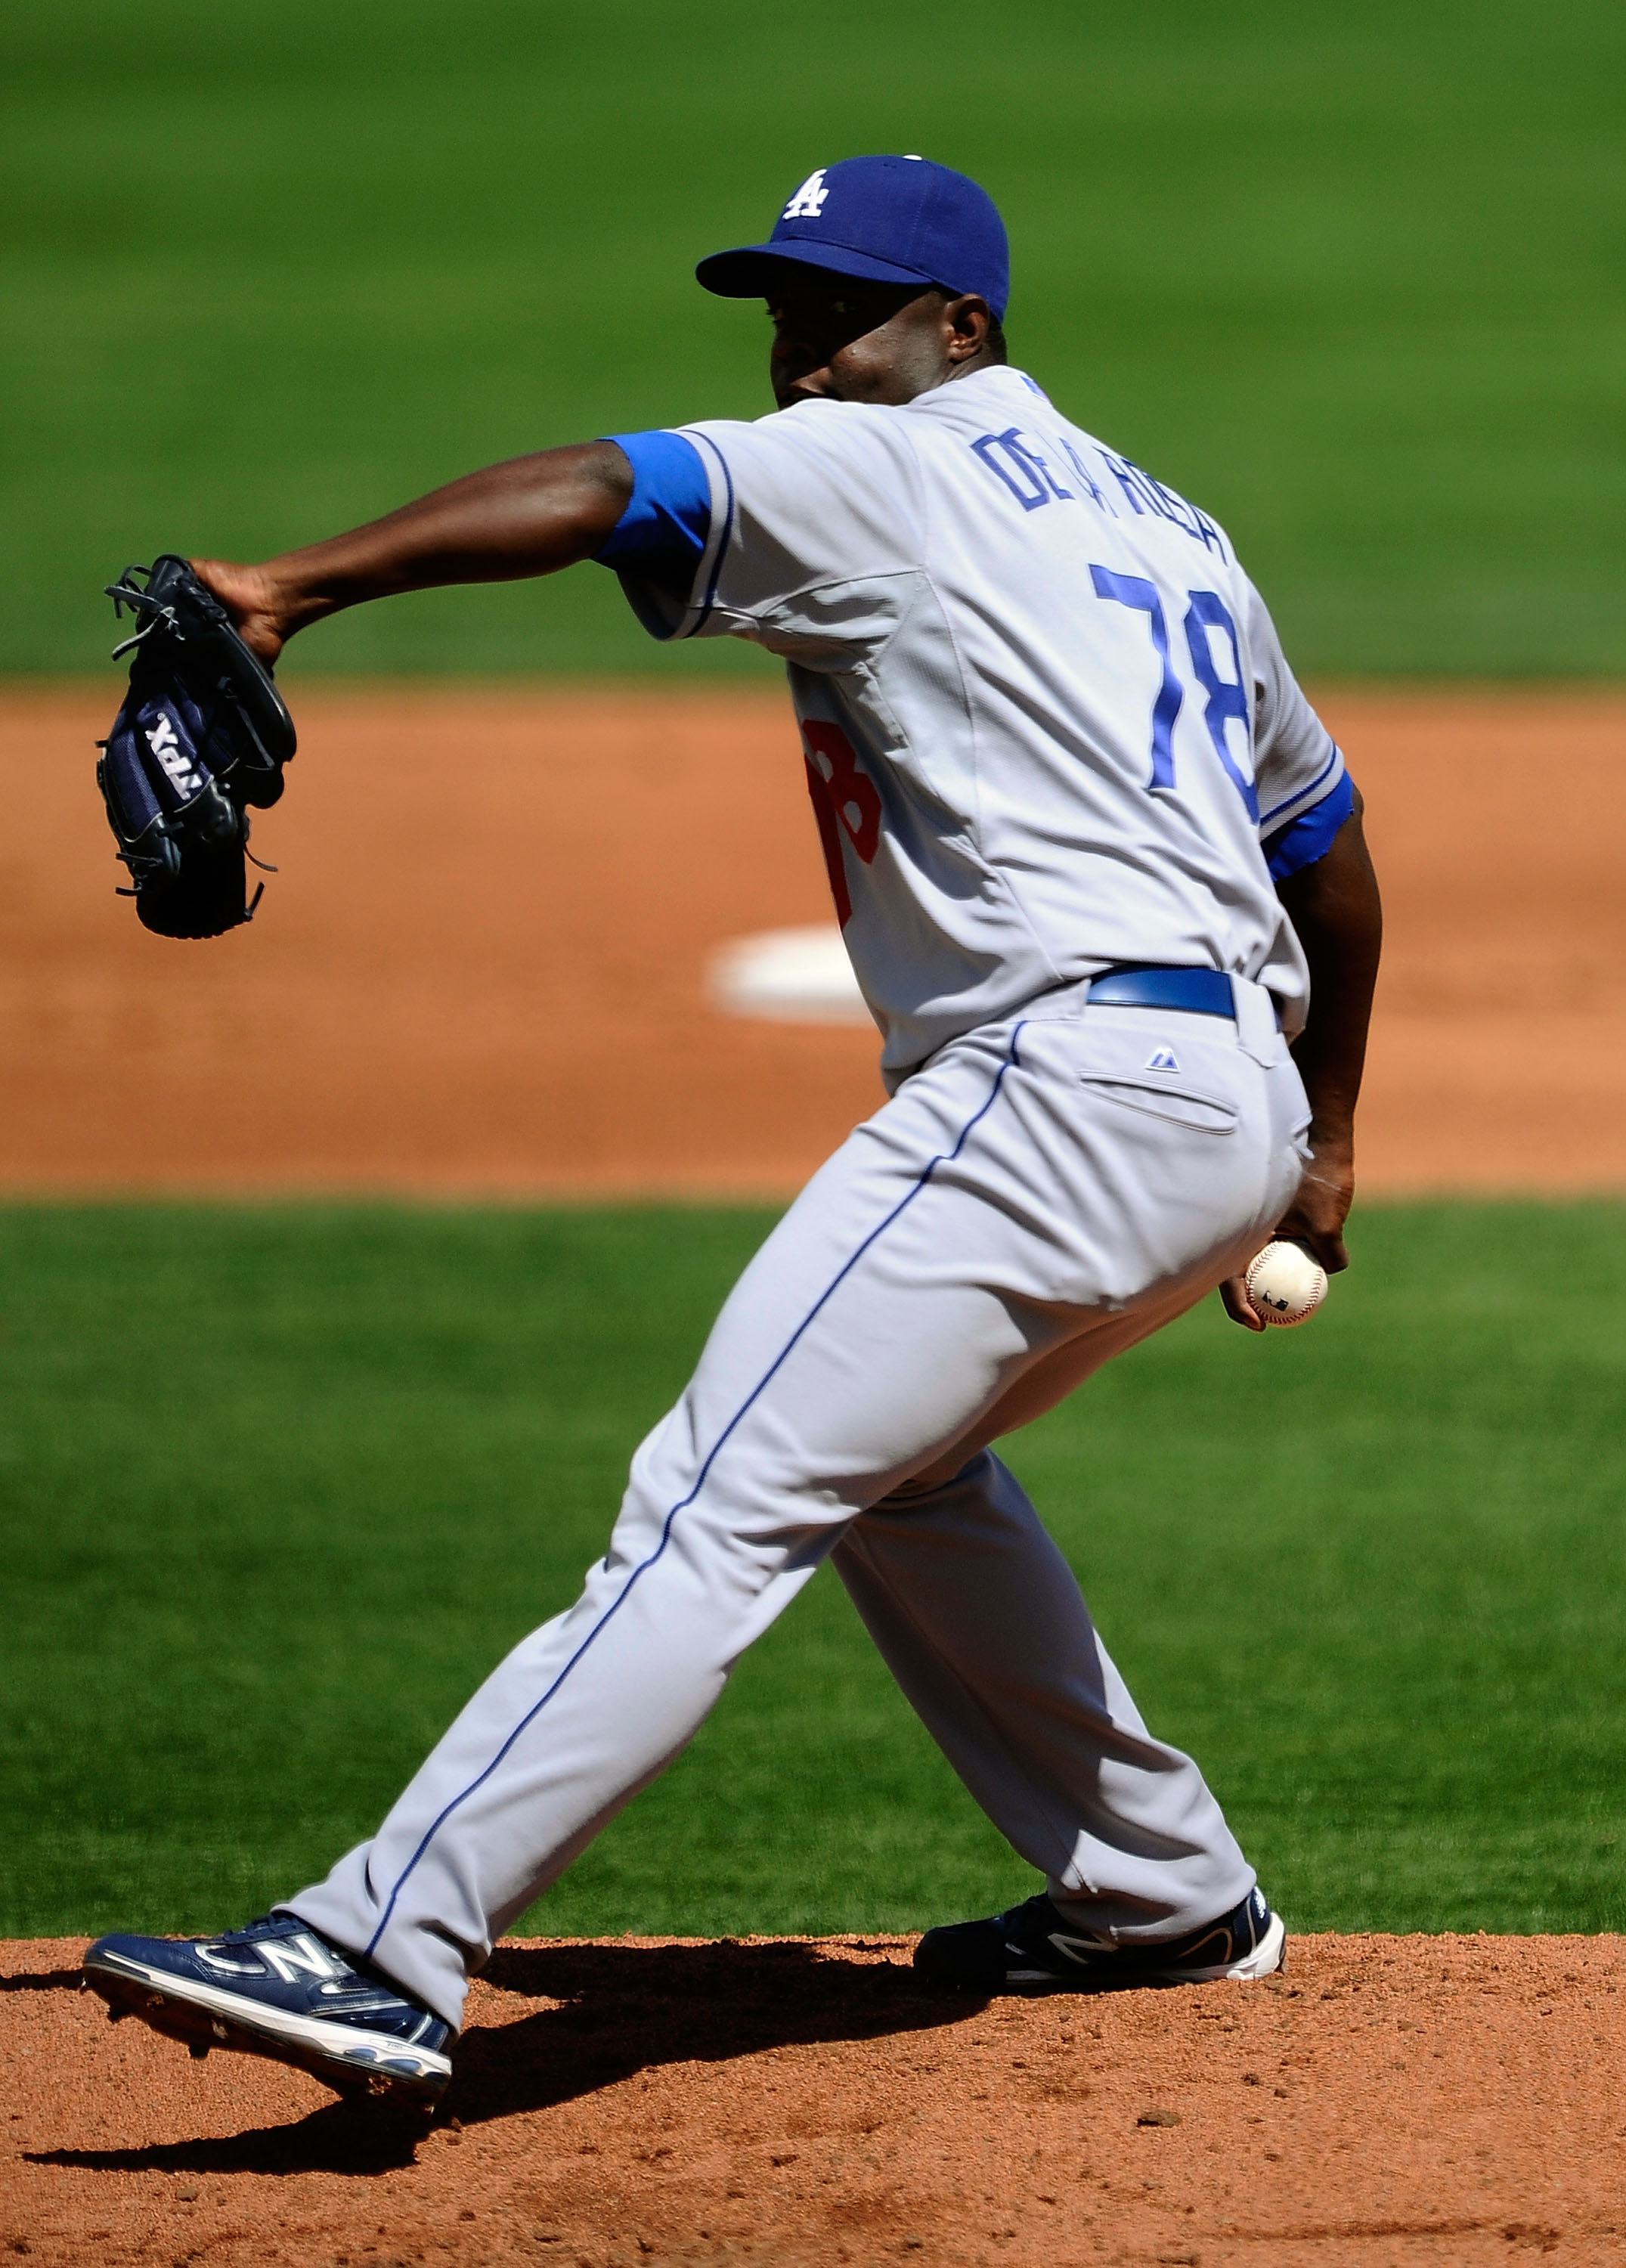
(529, 515)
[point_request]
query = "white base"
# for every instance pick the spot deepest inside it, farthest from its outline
(789, 976)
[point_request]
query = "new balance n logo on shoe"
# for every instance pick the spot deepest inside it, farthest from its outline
(1078, 1948)
(288, 1958)
(293, 1957)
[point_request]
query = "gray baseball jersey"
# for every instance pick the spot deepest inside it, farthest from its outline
(1046, 716)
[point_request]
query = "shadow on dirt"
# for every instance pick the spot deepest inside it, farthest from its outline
(44, 1980)
(622, 2009)
(628, 2009)
(341, 2138)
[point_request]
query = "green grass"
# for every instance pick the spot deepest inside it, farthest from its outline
(1348, 274)
(280, 1482)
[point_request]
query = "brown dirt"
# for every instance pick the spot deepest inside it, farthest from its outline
(1389, 2100)
(479, 970)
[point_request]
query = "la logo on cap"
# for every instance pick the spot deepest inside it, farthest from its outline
(808, 203)
(883, 220)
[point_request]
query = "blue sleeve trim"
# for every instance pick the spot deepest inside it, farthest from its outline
(1310, 836)
(721, 553)
(664, 530)
(1299, 792)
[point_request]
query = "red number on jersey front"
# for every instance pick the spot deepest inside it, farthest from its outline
(844, 801)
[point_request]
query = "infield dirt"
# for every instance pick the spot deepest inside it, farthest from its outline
(482, 966)
(1386, 2101)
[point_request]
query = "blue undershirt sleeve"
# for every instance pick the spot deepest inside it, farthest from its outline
(1310, 836)
(662, 533)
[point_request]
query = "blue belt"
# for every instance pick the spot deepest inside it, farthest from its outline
(1195, 991)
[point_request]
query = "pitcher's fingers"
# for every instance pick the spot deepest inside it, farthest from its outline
(1300, 1226)
(1233, 1292)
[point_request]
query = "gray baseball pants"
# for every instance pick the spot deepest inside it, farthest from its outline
(1044, 1193)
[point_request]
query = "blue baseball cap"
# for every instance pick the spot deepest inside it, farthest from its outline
(893, 220)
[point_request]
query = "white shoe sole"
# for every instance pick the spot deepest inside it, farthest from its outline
(206, 2016)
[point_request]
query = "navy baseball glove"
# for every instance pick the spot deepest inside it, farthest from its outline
(203, 734)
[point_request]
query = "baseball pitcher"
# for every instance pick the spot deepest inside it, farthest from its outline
(1089, 845)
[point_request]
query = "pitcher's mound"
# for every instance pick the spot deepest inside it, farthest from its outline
(1452, 2100)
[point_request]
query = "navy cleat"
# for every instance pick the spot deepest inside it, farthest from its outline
(274, 1988)
(1037, 1949)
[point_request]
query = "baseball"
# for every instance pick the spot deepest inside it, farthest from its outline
(1285, 1285)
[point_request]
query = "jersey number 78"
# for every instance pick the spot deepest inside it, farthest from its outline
(1227, 698)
